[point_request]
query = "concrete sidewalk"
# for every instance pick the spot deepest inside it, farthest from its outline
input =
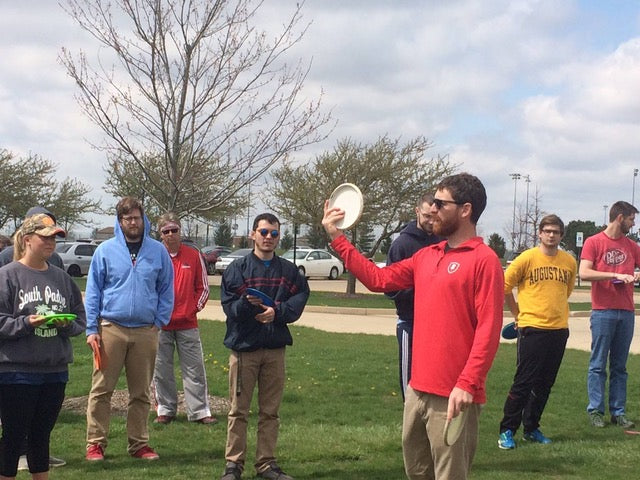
(383, 322)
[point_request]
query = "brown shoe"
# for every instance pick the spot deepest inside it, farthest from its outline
(207, 420)
(164, 419)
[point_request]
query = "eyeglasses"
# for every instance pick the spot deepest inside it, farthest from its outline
(132, 218)
(551, 232)
(265, 231)
(439, 203)
(170, 230)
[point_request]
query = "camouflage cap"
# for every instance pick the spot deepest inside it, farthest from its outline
(41, 224)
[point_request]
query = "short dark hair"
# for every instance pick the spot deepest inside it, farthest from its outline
(269, 217)
(466, 188)
(126, 205)
(425, 198)
(621, 208)
(551, 219)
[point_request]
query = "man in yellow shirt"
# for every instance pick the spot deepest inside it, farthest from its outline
(545, 277)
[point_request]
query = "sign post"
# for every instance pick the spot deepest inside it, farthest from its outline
(579, 243)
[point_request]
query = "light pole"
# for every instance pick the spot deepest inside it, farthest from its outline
(527, 179)
(633, 191)
(605, 213)
(516, 177)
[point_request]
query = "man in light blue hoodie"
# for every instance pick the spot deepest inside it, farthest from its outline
(128, 298)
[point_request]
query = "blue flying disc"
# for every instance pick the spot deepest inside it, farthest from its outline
(509, 331)
(266, 299)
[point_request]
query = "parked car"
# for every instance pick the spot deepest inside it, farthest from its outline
(190, 243)
(76, 256)
(316, 263)
(378, 264)
(211, 255)
(225, 260)
(511, 256)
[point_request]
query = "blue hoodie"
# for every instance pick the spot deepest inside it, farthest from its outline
(126, 294)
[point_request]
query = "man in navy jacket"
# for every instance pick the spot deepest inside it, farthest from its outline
(257, 334)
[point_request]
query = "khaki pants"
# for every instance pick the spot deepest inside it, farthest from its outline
(266, 368)
(426, 457)
(135, 350)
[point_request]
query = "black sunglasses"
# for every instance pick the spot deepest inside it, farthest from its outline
(265, 231)
(170, 230)
(439, 203)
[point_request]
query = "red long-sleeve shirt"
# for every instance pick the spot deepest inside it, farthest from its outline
(459, 298)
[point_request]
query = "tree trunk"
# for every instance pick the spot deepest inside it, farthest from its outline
(351, 284)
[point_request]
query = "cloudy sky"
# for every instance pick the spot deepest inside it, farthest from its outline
(549, 89)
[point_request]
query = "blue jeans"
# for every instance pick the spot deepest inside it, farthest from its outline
(611, 334)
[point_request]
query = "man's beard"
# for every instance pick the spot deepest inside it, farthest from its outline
(445, 228)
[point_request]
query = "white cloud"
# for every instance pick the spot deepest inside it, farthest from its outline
(540, 87)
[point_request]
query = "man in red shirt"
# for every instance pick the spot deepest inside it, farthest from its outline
(191, 291)
(608, 260)
(459, 299)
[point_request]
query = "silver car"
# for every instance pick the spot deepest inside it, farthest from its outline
(76, 257)
(225, 260)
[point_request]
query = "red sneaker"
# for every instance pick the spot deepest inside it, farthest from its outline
(146, 453)
(95, 452)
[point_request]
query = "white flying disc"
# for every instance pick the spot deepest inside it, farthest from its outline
(453, 428)
(347, 197)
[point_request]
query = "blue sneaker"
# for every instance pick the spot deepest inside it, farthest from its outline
(506, 441)
(537, 437)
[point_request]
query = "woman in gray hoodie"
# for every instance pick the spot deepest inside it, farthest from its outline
(34, 352)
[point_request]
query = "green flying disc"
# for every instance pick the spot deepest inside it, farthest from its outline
(59, 317)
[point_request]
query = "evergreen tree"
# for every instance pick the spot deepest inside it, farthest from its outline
(223, 235)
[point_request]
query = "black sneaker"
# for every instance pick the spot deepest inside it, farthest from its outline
(274, 472)
(56, 462)
(232, 471)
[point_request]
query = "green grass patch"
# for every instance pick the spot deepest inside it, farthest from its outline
(341, 420)
(333, 299)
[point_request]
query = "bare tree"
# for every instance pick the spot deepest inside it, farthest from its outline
(70, 202)
(527, 222)
(202, 102)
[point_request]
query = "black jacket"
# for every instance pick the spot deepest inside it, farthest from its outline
(410, 240)
(280, 281)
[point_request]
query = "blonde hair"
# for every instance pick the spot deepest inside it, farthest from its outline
(168, 217)
(19, 248)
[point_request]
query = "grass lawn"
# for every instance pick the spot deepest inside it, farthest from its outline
(341, 420)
